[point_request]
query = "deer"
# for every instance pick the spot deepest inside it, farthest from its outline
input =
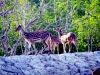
(35, 36)
(54, 42)
(68, 38)
(96, 72)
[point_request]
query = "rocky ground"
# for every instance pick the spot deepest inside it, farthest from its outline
(79, 63)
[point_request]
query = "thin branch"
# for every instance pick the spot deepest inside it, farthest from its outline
(40, 26)
(38, 17)
(1, 3)
(4, 47)
(8, 11)
(80, 20)
(13, 51)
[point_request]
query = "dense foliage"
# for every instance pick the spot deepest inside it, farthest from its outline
(79, 16)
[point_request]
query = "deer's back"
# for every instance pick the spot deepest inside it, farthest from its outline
(71, 36)
(68, 37)
(55, 39)
(36, 35)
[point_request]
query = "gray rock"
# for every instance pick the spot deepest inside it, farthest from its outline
(79, 63)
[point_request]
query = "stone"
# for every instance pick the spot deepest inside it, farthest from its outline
(79, 63)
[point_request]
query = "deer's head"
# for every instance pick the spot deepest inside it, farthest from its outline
(58, 29)
(18, 28)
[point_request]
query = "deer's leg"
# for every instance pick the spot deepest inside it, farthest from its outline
(35, 49)
(50, 45)
(54, 45)
(64, 46)
(34, 46)
(29, 46)
(45, 44)
(70, 47)
(58, 49)
(53, 49)
(74, 42)
(29, 49)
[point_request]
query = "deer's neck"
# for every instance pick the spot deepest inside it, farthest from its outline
(60, 34)
(22, 31)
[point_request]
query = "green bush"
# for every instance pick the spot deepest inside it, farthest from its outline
(1, 53)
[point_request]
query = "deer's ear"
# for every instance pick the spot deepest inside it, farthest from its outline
(19, 25)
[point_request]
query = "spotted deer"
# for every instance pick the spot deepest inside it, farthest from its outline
(54, 43)
(35, 36)
(68, 38)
